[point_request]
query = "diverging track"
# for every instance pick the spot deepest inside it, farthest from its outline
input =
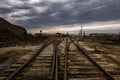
(79, 66)
(57, 60)
(38, 67)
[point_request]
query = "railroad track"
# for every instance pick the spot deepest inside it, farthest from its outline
(38, 66)
(104, 60)
(107, 65)
(50, 62)
(79, 66)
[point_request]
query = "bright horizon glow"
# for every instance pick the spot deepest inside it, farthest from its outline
(110, 25)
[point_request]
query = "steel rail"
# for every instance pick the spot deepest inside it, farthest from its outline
(107, 75)
(54, 72)
(29, 60)
(56, 64)
(65, 67)
(53, 66)
(66, 58)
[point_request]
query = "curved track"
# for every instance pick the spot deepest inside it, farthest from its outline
(38, 66)
(79, 66)
(57, 60)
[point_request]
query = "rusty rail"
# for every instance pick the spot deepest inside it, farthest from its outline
(15, 73)
(107, 75)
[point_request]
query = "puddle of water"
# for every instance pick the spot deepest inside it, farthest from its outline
(6, 64)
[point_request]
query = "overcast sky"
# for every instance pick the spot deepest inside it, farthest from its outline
(63, 15)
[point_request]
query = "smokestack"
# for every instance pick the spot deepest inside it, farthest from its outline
(80, 33)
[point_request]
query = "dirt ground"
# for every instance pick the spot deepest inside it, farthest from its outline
(9, 55)
(18, 50)
(110, 51)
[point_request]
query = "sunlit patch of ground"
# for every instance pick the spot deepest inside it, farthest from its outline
(110, 52)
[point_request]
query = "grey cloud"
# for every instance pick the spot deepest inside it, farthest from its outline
(49, 13)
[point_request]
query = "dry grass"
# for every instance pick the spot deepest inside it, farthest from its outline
(110, 52)
(16, 52)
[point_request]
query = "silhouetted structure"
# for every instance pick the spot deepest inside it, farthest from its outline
(81, 31)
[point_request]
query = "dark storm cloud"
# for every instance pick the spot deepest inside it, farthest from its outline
(36, 13)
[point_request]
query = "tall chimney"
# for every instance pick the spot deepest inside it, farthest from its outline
(80, 33)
